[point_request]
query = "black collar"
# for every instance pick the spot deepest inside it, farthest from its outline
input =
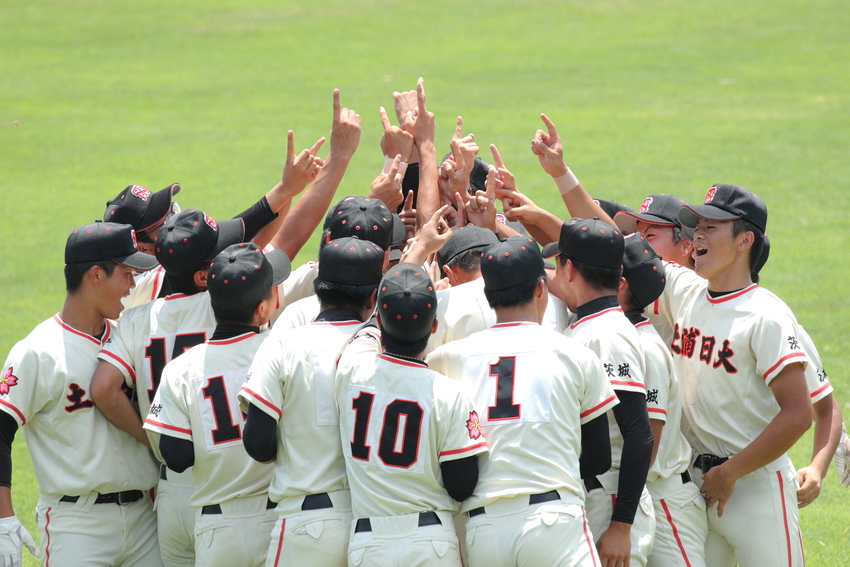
(230, 330)
(716, 294)
(335, 314)
(635, 316)
(597, 305)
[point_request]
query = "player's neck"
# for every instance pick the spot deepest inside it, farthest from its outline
(730, 280)
(80, 314)
(517, 313)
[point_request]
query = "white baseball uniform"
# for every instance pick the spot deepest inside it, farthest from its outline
(147, 338)
(297, 286)
(197, 401)
(398, 422)
(292, 380)
(727, 351)
(93, 479)
(615, 341)
(148, 286)
(661, 311)
(681, 526)
(535, 388)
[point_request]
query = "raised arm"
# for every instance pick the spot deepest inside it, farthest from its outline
(424, 127)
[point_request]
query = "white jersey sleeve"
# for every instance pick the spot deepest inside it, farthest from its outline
(297, 314)
(816, 376)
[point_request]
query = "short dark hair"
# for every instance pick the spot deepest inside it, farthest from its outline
(185, 283)
(678, 234)
(74, 272)
(600, 279)
(516, 295)
(468, 260)
(631, 303)
(343, 295)
(394, 346)
(243, 316)
(741, 225)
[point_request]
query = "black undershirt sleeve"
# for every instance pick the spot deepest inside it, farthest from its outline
(595, 447)
(634, 425)
(256, 217)
(259, 436)
(179, 454)
(460, 477)
(8, 428)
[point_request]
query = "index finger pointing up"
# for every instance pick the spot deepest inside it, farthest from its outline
(336, 104)
(420, 95)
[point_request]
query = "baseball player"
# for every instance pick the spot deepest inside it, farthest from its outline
(151, 335)
(410, 451)
(619, 507)
(197, 414)
(292, 417)
(741, 371)
(681, 526)
(93, 478)
(538, 391)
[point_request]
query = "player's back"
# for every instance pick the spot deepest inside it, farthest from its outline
(535, 388)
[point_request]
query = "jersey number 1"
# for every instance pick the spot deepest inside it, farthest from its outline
(504, 408)
(225, 430)
(408, 453)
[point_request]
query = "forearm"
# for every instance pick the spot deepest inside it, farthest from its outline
(776, 439)
(633, 421)
(6, 509)
(595, 447)
(580, 204)
(428, 197)
(115, 406)
(827, 417)
(255, 218)
(259, 436)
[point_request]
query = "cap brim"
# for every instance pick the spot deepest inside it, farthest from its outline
(281, 266)
(395, 254)
(627, 222)
(690, 214)
(230, 231)
(551, 250)
(399, 232)
(138, 261)
(157, 209)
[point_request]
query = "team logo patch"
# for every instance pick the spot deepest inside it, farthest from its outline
(473, 425)
(645, 205)
(501, 218)
(140, 192)
(211, 223)
(135, 242)
(710, 195)
(7, 381)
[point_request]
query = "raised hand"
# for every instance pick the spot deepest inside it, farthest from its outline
(424, 125)
(345, 130)
(387, 186)
(301, 169)
(481, 208)
(395, 141)
(548, 149)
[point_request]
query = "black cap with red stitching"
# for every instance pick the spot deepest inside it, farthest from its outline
(657, 209)
(407, 303)
(589, 241)
(364, 217)
(190, 237)
(100, 241)
(241, 275)
(643, 269)
(511, 262)
(142, 209)
(351, 261)
(725, 202)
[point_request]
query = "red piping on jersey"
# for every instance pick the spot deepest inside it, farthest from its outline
(464, 450)
(259, 398)
(47, 532)
(657, 410)
(233, 340)
(643, 324)
(675, 532)
(280, 542)
(819, 390)
(587, 537)
(126, 366)
(616, 383)
(595, 408)
(337, 323)
(62, 324)
(391, 358)
(730, 296)
(515, 324)
(175, 296)
(655, 307)
(169, 427)
(589, 317)
(784, 518)
(16, 410)
(781, 360)
(158, 275)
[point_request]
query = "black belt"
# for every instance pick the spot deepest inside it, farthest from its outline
(162, 474)
(216, 508)
(317, 502)
(686, 477)
(532, 499)
(425, 519)
(592, 483)
(706, 462)
(125, 497)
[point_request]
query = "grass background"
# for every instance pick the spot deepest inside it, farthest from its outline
(650, 96)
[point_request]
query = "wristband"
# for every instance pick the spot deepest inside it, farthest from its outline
(388, 162)
(566, 182)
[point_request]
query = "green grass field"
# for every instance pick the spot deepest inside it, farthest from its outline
(651, 96)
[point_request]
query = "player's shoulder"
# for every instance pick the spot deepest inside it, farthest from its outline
(43, 338)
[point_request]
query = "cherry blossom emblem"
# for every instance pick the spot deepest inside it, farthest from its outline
(8, 380)
(473, 425)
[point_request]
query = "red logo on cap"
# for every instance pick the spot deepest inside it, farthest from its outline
(645, 205)
(710, 195)
(135, 243)
(140, 192)
(211, 223)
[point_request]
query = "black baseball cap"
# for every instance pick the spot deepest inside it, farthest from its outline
(463, 239)
(611, 208)
(351, 261)
(143, 209)
(366, 218)
(190, 237)
(643, 269)
(100, 241)
(407, 303)
(241, 275)
(725, 202)
(657, 209)
(765, 254)
(511, 262)
(589, 241)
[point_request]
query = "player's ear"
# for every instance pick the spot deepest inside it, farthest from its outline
(373, 300)
(200, 279)
(434, 326)
(451, 274)
(747, 238)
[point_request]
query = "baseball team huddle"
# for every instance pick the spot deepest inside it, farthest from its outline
(435, 389)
